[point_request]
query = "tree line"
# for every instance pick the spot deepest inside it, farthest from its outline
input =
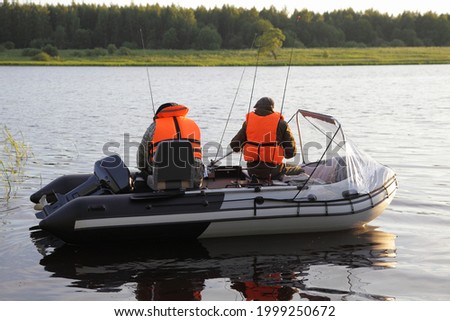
(83, 26)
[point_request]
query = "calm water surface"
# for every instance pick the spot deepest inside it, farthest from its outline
(400, 115)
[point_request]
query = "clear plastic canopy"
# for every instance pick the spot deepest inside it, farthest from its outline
(332, 161)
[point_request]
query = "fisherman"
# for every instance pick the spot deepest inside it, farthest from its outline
(170, 123)
(266, 140)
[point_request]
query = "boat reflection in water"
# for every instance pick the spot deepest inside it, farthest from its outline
(322, 266)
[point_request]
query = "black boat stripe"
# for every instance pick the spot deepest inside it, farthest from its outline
(216, 200)
(248, 218)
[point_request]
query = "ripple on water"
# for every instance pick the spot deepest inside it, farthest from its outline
(67, 119)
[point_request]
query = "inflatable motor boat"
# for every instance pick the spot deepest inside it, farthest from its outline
(342, 189)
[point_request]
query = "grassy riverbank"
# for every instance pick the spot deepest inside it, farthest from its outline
(301, 57)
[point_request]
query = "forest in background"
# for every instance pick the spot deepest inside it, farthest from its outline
(84, 26)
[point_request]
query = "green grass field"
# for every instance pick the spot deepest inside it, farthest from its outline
(300, 57)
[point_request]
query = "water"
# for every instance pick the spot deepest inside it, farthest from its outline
(400, 115)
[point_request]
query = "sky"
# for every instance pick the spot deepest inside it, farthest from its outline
(384, 6)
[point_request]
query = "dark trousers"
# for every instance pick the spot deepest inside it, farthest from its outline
(267, 171)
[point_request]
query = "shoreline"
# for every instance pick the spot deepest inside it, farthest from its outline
(300, 57)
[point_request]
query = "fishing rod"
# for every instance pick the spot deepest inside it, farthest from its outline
(231, 111)
(284, 91)
(253, 89)
(228, 119)
(284, 96)
(214, 162)
(287, 74)
(286, 82)
(148, 74)
(254, 78)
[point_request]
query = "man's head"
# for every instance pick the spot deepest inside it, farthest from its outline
(165, 106)
(266, 103)
(171, 110)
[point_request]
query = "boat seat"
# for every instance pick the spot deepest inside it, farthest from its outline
(173, 166)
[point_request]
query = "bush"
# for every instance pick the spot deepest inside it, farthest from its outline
(299, 44)
(124, 51)
(419, 43)
(326, 54)
(30, 52)
(9, 45)
(397, 43)
(96, 52)
(111, 49)
(42, 56)
(379, 42)
(77, 53)
(2, 48)
(50, 50)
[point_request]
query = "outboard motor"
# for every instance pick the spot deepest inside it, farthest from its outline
(111, 176)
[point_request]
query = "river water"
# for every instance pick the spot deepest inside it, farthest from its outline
(69, 116)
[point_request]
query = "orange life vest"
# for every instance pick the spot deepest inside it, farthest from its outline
(171, 123)
(261, 144)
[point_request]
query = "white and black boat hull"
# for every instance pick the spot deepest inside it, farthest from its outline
(225, 212)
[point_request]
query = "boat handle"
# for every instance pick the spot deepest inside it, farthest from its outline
(92, 208)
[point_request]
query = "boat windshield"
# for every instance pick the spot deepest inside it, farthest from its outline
(329, 157)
